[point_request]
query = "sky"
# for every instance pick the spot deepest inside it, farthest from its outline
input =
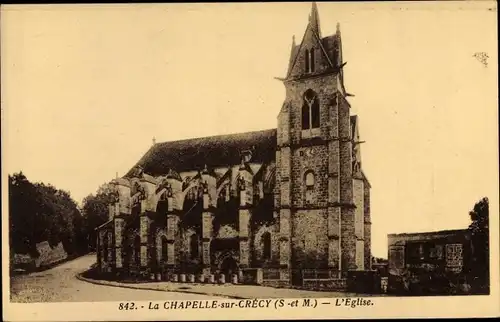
(86, 88)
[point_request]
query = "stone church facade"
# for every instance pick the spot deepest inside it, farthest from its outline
(288, 205)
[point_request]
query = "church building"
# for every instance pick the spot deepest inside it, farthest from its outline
(284, 206)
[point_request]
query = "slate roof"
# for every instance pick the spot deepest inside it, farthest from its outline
(214, 151)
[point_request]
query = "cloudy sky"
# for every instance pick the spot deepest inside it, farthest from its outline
(86, 88)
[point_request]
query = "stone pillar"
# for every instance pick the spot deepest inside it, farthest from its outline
(182, 278)
(348, 237)
(171, 232)
(368, 226)
(211, 278)
(244, 235)
(191, 278)
(334, 210)
(284, 239)
(359, 222)
(259, 278)
(222, 279)
(284, 167)
(201, 278)
(113, 210)
(118, 229)
(206, 231)
(334, 250)
(144, 236)
(170, 204)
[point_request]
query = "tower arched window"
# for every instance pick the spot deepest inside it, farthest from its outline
(193, 246)
(310, 110)
(266, 245)
(309, 182)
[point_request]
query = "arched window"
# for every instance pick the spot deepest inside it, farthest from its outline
(306, 124)
(193, 246)
(137, 250)
(266, 245)
(311, 54)
(307, 60)
(309, 182)
(310, 110)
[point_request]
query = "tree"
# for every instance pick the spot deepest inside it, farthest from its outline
(479, 227)
(23, 215)
(96, 211)
(40, 212)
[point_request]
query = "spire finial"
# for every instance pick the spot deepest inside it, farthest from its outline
(338, 28)
(314, 18)
(154, 140)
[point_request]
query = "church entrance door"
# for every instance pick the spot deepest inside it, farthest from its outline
(296, 277)
(229, 266)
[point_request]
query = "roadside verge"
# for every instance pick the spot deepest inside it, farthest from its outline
(159, 287)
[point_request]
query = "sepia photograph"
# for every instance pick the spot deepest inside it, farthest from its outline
(248, 156)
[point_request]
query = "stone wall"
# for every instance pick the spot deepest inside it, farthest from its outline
(49, 255)
(359, 226)
(310, 159)
(368, 226)
(310, 238)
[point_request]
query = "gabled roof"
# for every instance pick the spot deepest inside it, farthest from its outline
(214, 151)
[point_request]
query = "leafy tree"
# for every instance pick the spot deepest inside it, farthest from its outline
(480, 241)
(96, 211)
(40, 212)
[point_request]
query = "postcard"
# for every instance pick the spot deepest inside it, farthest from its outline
(230, 161)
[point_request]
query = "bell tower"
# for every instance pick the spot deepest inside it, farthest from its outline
(314, 201)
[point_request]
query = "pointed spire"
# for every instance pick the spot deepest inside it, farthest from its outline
(314, 19)
(338, 28)
(154, 140)
(292, 54)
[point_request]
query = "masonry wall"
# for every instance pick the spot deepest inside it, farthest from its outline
(367, 226)
(310, 239)
(359, 226)
(305, 159)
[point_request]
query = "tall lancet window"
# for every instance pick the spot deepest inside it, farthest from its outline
(310, 110)
(266, 245)
(193, 246)
(307, 60)
(311, 56)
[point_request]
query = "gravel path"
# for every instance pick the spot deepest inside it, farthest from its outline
(59, 284)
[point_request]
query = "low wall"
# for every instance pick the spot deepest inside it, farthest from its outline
(339, 284)
(49, 255)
